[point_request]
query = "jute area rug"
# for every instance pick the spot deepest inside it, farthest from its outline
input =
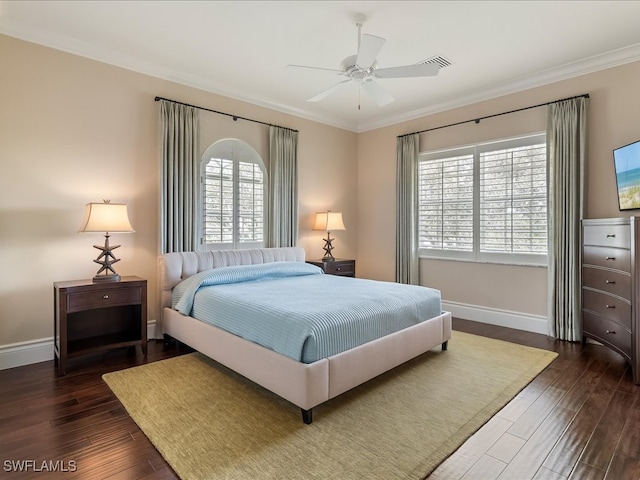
(210, 423)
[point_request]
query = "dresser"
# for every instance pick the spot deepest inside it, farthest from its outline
(610, 282)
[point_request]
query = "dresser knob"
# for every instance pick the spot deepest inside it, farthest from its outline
(611, 332)
(611, 236)
(610, 306)
(610, 258)
(106, 297)
(610, 282)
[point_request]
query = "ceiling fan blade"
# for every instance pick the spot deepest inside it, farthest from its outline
(339, 72)
(370, 46)
(379, 94)
(418, 70)
(325, 93)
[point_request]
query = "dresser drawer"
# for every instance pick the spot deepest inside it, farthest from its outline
(608, 332)
(607, 305)
(607, 235)
(104, 298)
(608, 281)
(616, 258)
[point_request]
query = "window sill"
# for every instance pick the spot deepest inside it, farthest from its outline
(490, 262)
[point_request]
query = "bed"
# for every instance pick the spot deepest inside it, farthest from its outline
(308, 377)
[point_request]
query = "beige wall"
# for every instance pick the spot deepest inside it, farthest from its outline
(613, 121)
(74, 131)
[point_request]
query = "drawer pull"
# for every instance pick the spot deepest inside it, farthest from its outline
(611, 332)
(106, 297)
(610, 306)
(611, 235)
(610, 258)
(610, 282)
(338, 269)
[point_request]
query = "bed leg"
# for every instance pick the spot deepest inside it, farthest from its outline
(307, 415)
(445, 345)
(167, 339)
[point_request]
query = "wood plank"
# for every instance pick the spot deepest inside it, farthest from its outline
(626, 460)
(530, 457)
(487, 468)
(583, 471)
(506, 447)
(567, 451)
(602, 444)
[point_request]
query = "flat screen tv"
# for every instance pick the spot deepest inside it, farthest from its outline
(627, 163)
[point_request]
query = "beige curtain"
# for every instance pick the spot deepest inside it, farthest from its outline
(566, 151)
(180, 172)
(407, 266)
(282, 224)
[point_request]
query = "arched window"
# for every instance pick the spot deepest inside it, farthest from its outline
(233, 196)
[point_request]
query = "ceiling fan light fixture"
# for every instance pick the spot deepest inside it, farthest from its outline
(363, 68)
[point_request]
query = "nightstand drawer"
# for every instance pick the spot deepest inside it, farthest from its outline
(340, 268)
(104, 298)
(608, 332)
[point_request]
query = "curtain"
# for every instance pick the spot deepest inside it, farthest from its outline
(282, 225)
(180, 172)
(566, 149)
(407, 266)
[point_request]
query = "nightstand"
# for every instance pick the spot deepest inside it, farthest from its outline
(91, 317)
(339, 266)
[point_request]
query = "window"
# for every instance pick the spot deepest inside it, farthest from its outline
(233, 203)
(487, 202)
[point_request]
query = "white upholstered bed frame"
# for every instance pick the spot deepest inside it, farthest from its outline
(305, 385)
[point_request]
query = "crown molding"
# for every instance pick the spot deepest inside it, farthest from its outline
(59, 42)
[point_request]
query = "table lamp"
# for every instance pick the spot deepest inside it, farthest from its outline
(328, 221)
(109, 218)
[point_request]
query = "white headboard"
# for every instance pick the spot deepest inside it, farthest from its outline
(175, 267)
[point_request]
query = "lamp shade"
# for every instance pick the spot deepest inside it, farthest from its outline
(106, 217)
(329, 221)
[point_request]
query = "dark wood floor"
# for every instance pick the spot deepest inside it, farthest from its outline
(579, 419)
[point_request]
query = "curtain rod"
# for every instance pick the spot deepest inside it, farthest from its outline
(235, 117)
(477, 120)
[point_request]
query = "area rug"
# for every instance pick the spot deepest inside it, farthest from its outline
(210, 423)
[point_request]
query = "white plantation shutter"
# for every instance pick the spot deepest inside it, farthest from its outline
(513, 200)
(233, 203)
(445, 203)
(218, 201)
(250, 203)
(486, 202)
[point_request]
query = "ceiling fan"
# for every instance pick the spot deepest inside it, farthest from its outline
(363, 69)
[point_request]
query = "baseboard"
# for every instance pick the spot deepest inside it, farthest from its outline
(41, 350)
(26, 353)
(494, 316)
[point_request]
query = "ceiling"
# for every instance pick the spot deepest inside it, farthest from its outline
(240, 49)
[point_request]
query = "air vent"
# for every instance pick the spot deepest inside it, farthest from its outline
(439, 60)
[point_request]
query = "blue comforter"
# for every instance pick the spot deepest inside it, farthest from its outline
(295, 309)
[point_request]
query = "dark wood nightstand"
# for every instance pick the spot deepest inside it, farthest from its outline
(91, 317)
(339, 266)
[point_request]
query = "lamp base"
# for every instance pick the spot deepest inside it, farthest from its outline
(327, 248)
(106, 278)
